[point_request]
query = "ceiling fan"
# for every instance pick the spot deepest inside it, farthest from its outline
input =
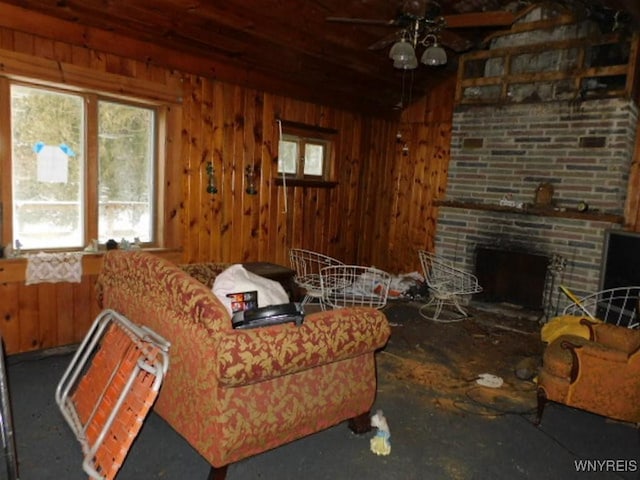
(421, 22)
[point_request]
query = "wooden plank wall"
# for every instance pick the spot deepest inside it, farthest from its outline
(380, 213)
(48, 315)
(236, 127)
(419, 175)
(632, 205)
(233, 127)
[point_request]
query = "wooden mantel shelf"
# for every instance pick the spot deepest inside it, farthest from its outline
(594, 216)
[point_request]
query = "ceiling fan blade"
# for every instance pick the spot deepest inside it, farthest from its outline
(496, 18)
(386, 41)
(363, 21)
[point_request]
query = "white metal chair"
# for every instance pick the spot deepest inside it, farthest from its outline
(354, 286)
(307, 265)
(618, 306)
(448, 285)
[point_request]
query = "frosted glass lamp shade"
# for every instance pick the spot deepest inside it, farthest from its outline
(401, 51)
(434, 55)
(408, 64)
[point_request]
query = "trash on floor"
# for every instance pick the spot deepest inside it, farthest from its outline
(489, 380)
(405, 285)
(380, 443)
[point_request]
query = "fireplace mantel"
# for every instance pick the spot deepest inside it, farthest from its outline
(533, 210)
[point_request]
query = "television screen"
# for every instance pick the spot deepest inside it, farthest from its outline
(620, 259)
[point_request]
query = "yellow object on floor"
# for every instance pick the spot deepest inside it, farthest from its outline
(565, 325)
(380, 444)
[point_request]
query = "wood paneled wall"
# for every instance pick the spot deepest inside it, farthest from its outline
(376, 214)
(419, 176)
(236, 127)
(49, 315)
(380, 212)
(632, 205)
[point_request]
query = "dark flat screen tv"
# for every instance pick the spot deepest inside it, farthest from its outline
(620, 259)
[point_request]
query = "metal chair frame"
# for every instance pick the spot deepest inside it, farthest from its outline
(108, 389)
(448, 285)
(354, 286)
(6, 422)
(307, 265)
(618, 306)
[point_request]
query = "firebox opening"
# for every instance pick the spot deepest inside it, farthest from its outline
(511, 276)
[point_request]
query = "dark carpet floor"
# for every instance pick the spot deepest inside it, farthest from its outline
(443, 425)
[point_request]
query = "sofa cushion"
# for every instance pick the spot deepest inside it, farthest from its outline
(565, 325)
(250, 356)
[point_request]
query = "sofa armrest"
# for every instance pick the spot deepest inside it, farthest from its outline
(251, 356)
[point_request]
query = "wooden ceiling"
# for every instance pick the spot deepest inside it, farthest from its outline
(282, 46)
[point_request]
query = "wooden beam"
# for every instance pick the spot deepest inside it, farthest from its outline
(480, 19)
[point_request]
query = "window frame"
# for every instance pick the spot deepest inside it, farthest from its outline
(91, 97)
(304, 135)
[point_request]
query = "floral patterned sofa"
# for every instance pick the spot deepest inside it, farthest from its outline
(235, 393)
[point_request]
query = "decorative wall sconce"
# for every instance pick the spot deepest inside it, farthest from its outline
(404, 145)
(211, 184)
(251, 174)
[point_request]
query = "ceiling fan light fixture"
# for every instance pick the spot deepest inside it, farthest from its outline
(406, 64)
(401, 51)
(434, 56)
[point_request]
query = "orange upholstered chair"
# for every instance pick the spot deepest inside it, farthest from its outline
(599, 374)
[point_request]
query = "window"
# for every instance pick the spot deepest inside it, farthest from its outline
(302, 157)
(305, 154)
(83, 167)
(126, 151)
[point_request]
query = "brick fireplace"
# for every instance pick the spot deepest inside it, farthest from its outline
(502, 153)
(542, 143)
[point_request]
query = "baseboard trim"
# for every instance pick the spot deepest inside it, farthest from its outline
(40, 354)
